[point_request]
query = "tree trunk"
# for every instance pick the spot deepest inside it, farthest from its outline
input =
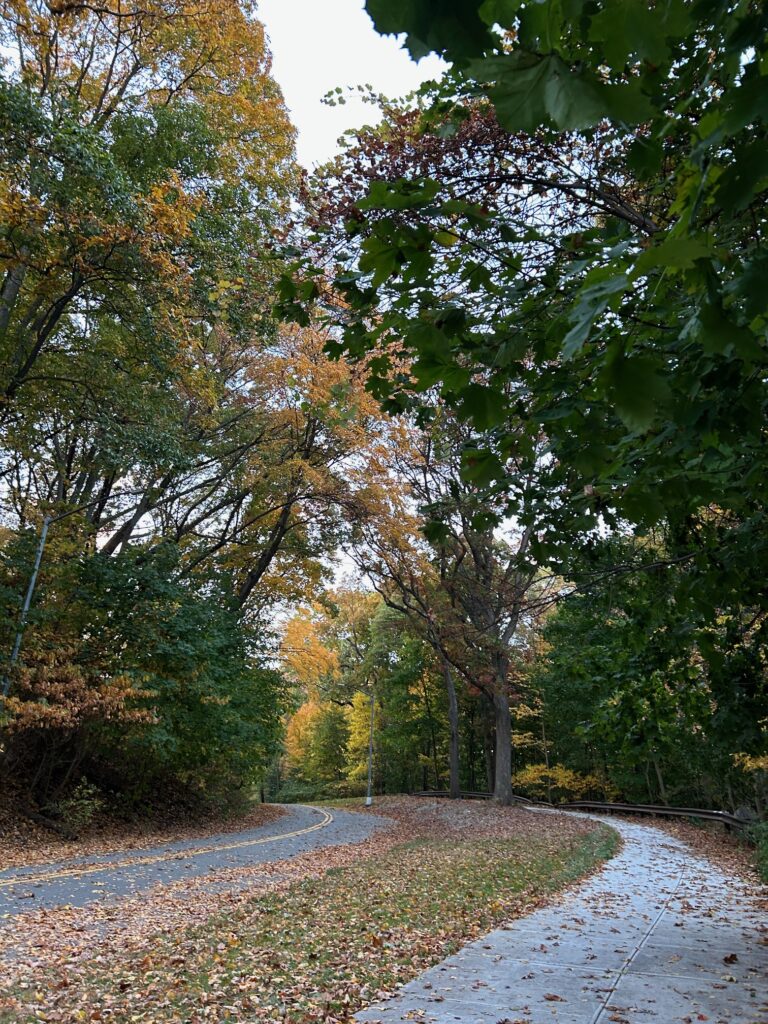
(660, 780)
(488, 750)
(648, 781)
(453, 721)
(9, 293)
(502, 785)
(433, 738)
(488, 744)
(471, 749)
(545, 748)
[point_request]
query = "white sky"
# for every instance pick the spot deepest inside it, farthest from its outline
(319, 44)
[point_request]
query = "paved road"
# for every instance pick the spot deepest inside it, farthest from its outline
(113, 876)
(659, 936)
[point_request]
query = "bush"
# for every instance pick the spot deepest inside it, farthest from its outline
(306, 793)
(77, 810)
(557, 783)
(147, 680)
(758, 833)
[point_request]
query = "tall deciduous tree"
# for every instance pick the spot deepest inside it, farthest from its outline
(566, 238)
(469, 583)
(152, 410)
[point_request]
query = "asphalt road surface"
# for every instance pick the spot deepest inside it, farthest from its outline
(114, 876)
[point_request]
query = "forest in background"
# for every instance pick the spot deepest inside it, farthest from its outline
(506, 353)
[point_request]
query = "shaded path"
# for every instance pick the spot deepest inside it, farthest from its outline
(659, 936)
(114, 876)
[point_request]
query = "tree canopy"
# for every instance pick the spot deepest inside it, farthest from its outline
(505, 354)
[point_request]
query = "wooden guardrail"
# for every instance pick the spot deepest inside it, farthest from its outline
(463, 795)
(730, 821)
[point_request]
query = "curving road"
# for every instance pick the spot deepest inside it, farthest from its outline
(113, 876)
(659, 936)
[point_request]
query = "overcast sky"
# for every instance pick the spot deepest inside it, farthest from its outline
(320, 44)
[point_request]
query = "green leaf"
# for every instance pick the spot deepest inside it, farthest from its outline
(593, 300)
(499, 12)
(752, 286)
(436, 532)
(485, 406)
(638, 389)
(626, 104)
(745, 178)
(642, 505)
(677, 253)
(404, 194)
(528, 91)
(480, 466)
(628, 28)
(541, 26)
(644, 157)
(518, 95)
(718, 334)
(747, 104)
(451, 27)
(573, 99)
(379, 258)
(483, 521)
(446, 238)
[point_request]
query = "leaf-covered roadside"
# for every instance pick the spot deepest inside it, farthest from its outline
(24, 842)
(319, 948)
(732, 853)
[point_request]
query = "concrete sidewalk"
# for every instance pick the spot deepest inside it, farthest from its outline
(659, 936)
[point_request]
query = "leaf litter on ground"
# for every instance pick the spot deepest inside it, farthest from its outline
(730, 851)
(24, 843)
(308, 939)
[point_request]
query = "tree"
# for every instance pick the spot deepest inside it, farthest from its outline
(316, 743)
(640, 687)
(185, 449)
(348, 653)
(469, 584)
(136, 679)
(565, 238)
(606, 268)
(131, 134)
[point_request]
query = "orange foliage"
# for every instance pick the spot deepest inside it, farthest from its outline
(298, 733)
(53, 692)
(304, 654)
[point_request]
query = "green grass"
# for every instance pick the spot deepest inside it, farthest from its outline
(324, 947)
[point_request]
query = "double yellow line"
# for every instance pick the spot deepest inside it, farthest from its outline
(91, 869)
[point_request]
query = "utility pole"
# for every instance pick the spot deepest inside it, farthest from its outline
(369, 797)
(25, 606)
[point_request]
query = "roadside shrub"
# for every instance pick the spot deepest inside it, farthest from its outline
(305, 793)
(557, 783)
(77, 810)
(758, 833)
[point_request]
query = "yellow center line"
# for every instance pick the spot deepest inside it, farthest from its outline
(160, 857)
